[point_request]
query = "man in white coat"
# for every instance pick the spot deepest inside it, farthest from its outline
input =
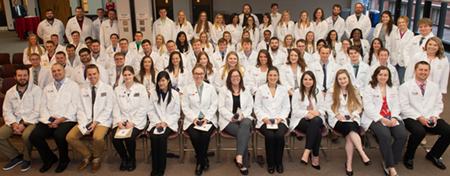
(324, 70)
(164, 26)
(39, 75)
(279, 57)
(94, 117)
(21, 114)
(50, 26)
(163, 61)
(130, 56)
(49, 54)
(61, 59)
(264, 44)
(108, 27)
(115, 73)
(72, 58)
(247, 57)
(79, 73)
(79, 23)
(246, 12)
(358, 70)
(99, 55)
(301, 45)
(420, 105)
(275, 15)
(97, 23)
(147, 51)
(57, 117)
(358, 20)
(77, 42)
(417, 43)
(136, 45)
(218, 59)
(336, 22)
(58, 47)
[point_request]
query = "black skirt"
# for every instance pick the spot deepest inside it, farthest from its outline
(346, 127)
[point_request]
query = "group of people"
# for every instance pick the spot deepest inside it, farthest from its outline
(389, 86)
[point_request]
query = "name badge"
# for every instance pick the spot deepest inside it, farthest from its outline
(440, 66)
(136, 95)
(103, 94)
(392, 96)
(415, 93)
(87, 95)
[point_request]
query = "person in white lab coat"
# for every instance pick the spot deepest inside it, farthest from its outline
(218, 58)
(310, 43)
(164, 26)
(21, 114)
(163, 61)
(382, 115)
(275, 16)
(39, 75)
(136, 45)
(319, 24)
(210, 74)
(324, 70)
(191, 57)
(129, 112)
(183, 25)
(72, 58)
(320, 43)
(417, 43)
(333, 40)
(114, 47)
(199, 104)
(115, 73)
(97, 23)
(79, 72)
(203, 25)
(160, 45)
(130, 56)
(248, 56)
(234, 28)
(303, 26)
(147, 74)
(358, 40)
(401, 37)
(252, 29)
(247, 12)
(58, 47)
(308, 117)
(94, 115)
(163, 112)
(384, 61)
(336, 22)
(342, 56)
(342, 102)
(292, 71)
(240, 45)
(264, 44)
(358, 20)
(232, 61)
(285, 26)
(359, 71)
(385, 30)
(49, 56)
(206, 45)
(301, 46)
(259, 71)
(182, 43)
(50, 26)
(421, 105)
(179, 75)
(57, 117)
(61, 59)
(288, 44)
(77, 42)
(272, 107)
(217, 29)
(33, 47)
(100, 56)
(278, 56)
(107, 28)
(79, 23)
(434, 55)
(235, 108)
(147, 47)
(372, 56)
(230, 45)
(267, 24)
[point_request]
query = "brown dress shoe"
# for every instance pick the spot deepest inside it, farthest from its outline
(85, 163)
(96, 163)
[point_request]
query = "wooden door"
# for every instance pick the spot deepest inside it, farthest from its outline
(200, 6)
(2, 14)
(61, 9)
(168, 5)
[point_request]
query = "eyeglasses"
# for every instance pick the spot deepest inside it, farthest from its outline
(84, 55)
(199, 74)
(235, 76)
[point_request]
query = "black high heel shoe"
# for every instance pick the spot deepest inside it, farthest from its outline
(315, 167)
(348, 172)
(367, 163)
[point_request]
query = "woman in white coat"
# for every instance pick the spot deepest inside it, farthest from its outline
(401, 37)
(382, 115)
(235, 108)
(178, 73)
(199, 104)
(285, 26)
(253, 30)
(206, 46)
(234, 28)
(372, 56)
(333, 41)
(183, 25)
(383, 61)
(288, 44)
(303, 26)
(203, 25)
(147, 74)
(343, 57)
(259, 71)
(211, 72)
(292, 71)
(434, 55)
(359, 41)
(232, 61)
(319, 24)
(217, 29)
(33, 47)
(231, 46)
(164, 112)
(267, 24)
(385, 30)
(160, 45)
(343, 106)
(129, 113)
(308, 116)
(272, 108)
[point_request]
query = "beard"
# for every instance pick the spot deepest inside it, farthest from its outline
(22, 84)
(50, 19)
(274, 48)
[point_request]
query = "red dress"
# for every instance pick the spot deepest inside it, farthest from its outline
(110, 6)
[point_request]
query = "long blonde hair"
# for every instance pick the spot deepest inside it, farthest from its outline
(207, 39)
(280, 23)
(300, 19)
(200, 25)
(313, 42)
(29, 51)
(216, 25)
(184, 22)
(353, 98)
(226, 67)
(292, 43)
(163, 44)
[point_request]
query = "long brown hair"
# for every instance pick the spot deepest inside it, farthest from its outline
(312, 92)
(300, 19)
(441, 51)
(152, 70)
(314, 15)
(372, 50)
(269, 59)
(374, 81)
(131, 70)
(285, 44)
(301, 61)
(200, 25)
(353, 98)
(254, 25)
(209, 65)
(241, 82)
(390, 23)
(313, 42)
(37, 45)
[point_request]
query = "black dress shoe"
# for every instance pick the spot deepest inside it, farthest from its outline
(160, 173)
(206, 166)
(123, 165)
(239, 165)
(280, 168)
(48, 165)
(131, 165)
(271, 169)
(244, 172)
(62, 166)
(436, 161)
(199, 170)
(154, 173)
(408, 163)
(367, 163)
(316, 167)
(348, 172)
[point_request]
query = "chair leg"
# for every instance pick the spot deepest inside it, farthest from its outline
(180, 146)
(184, 149)
(253, 147)
(329, 146)
(219, 148)
(144, 141)
(288, 149)
(292, 146)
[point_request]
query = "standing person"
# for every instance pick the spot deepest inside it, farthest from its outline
(336, 22)
(114, 47)
(79, 74)
(178, 73)
(50, 26)
(358, 20)
(130, 56)
(343, 55)
(147, 74)
(199, 104)
(310, 43)
(72, 57)
(21, 114)
(94, 116)
(333, 40)
(382, 115)
(147, 51)
(278, 56)
(303, 26)
(234, 28)
(358, 40)
(218, 58)
(292, 71)
(98, 55)
(33, 47)
(217, 29)
(385, 30)
(164, 26)
(191, 57)
(275, 16)
(164, 112)
(265, 43)
(301, 46)
(252, 29)
(272, 107)
(107, 28)
(342, 102)
(183, 25)
(417, 43)
(77, 42)
(160, 45)
(49, 56)
(206, 45)
(230, 45)
(421, 105)
(115, 73)
(136, 45)
(285, 26)
(372, 56)
(79, 23)
(383, 61)
(232, 61)
(401, 37)
(267, 24)
(324, 70)
(163, 61)
(308, 117)
(57, 117)
(129, 112)
(359, 71)
(288, 44)
(203, 25)
(97, 23)
(210, 70)
(62, 60)
(320, 25)
(259, 71)
(55, 39)
(18, 11)
(247, 12)
(248, 56)
(232, 99)
(182, 44)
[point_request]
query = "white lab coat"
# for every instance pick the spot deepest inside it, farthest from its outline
(262, 29)
(163, 111)
(112, 73)
(226, 106)
(309, 59)
(275, 18)
(394, 74)
(342, 110)
(268, 106)
(163, 61)
(103, 59)
(72, 25)
(105, 32)
(26, 58)
(439, 70)
(69, 70)
(62, 103)
(182, 80)
(220, 82)
(197, 34)
(247, 62)
(44, 78)
(413, 104)
(299, 107)
(46, 61)
(161, 51)
(78, 47)
(211, 76)
(240, 48)
(262, 45)
(166, 30)
(339, 26)
(62, 48)
(110, 51)
(130, 59)
(317, 69)
(364, 44)
(241, 19)
(137, 64)
(45, 30)
(186, 29)
(76, 61)
(236, 32)
(320, 30)
(373, 102)
(364, 75)
(133, 47)
(254, 36)
(216, 59)
(147, 82)
(342, 58)
(398, 47)
(364, 24)
(316, 57)
(192, 105)
(78, 75)
(96, 25)
(103, 105)
(300, 32)
(259, 77)
(217, 34)
(413, 47)
(287, 76)
(284, 30)
(132, 107)
(389, 39)
(27, 109)
(279, 59)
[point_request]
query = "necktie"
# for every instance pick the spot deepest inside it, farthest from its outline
(267, 46)
(422, 89)
(421, 40)
(35, 77)
(274, 15)
(324, 77)
(93, 100)
(117, 78)
(84, 70)
(223, 55)
(110, 23)
(58, 85)
(357, 17)
(356, 70)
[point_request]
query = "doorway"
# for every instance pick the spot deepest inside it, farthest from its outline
(61, 9)
(2, 14)
(168, 5)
